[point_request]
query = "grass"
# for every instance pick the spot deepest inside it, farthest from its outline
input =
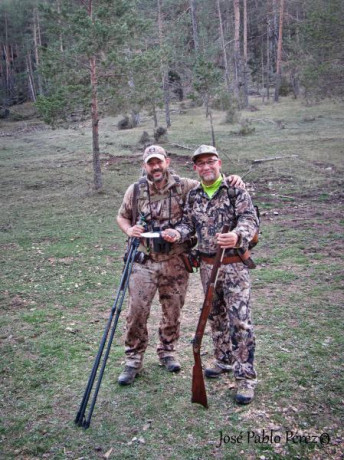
(61, 262)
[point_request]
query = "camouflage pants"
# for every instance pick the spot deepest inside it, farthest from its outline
(170, 279)
(230, 319)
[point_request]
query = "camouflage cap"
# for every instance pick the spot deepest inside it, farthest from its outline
(204, 149)
(154, 151)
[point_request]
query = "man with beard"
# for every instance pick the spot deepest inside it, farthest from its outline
(208, 208)
(159, 200)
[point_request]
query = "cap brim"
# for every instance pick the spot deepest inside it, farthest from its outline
(155, 155)
(194, 157)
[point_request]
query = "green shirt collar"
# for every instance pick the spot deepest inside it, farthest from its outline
(211, 189)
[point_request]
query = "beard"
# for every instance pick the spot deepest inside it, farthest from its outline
(208, 177)
(159, 178)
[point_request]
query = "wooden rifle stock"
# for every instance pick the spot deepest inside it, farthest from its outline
(199, 394)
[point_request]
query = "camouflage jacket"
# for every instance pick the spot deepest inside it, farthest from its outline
(161, 208)
(206, 216)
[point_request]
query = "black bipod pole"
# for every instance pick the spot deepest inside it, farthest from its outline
(81, 419)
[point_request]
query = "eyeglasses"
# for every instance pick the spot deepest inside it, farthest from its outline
(202, 164)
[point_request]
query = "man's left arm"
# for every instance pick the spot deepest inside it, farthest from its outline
(246, 227)
(247, 220)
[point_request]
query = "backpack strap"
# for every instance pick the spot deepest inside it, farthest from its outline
(177, 186)
(134, 203)
(232, 197)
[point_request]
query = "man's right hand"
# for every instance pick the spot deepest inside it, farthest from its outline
(135, 231)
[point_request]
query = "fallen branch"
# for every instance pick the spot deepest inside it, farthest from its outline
(263, 120)
(273, 159)
(284, 196)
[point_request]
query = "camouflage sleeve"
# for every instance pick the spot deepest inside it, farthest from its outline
(247, 221)
(189, 184)
(126, 207)
(186, 227)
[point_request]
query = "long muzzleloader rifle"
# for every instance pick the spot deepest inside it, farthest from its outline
(199, 394)
(81, 419)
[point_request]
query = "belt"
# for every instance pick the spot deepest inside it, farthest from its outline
(227, 260)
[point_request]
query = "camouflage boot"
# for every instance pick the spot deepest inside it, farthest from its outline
(170, 363)
(245, 391)
(217, 369)
(128, 375)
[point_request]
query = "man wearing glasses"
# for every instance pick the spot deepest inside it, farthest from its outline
(209, 206)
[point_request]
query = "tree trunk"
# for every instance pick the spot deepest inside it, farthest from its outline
(246, 76)
(274, 38)
(8, 74)
(295, 84)
(194, 25)
(237, 69)
(263, 72)
(31, 81)
(279, 52)
(212, 128)
(164, 69)
(59, 13)
(36, 35)
(97, 174)
(135, 118)
(268, 61)
(37, 43)
(223, 44)
(155, 116)
(167, 99)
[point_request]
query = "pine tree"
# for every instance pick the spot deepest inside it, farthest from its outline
(86, 54)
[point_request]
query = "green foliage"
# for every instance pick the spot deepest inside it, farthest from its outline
(323, 36)
(207, 77)
(231, 115)
(122, 32)
(285, 88)
(52, 108)
(145, 90)
(246, 128)
(61, 105)
(224, 101)
(74, 38)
